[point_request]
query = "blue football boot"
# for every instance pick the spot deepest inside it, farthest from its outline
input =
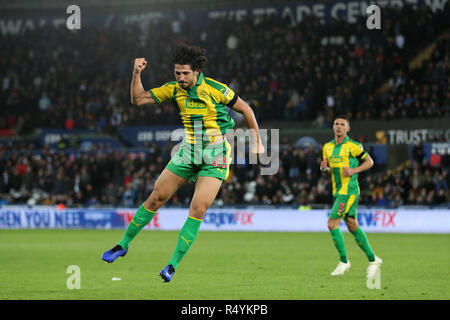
(114, 253)
(167, 273)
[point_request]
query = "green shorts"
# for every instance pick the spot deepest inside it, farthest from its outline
(344, 206)
(193, 161)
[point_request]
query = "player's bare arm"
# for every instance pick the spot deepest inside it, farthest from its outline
(365, 165)
(138, 95)
(243, 108)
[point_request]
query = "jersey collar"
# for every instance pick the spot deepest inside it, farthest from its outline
(200, 79)
(199, 82)
(344, 141)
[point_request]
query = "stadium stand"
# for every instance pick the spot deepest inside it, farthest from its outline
(287, 72)
(119, 178)
(284, 71)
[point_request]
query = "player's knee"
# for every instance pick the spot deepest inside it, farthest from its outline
(154, 201)
(352, 227)
(332, 225)
(198, 211)
(352, 224)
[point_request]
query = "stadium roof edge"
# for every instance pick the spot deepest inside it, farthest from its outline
(157, 4)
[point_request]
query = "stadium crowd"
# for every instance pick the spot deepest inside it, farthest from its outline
(117, 178)
(55, 78)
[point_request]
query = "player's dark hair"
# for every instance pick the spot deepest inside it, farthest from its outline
(342, 116)
(191, 55)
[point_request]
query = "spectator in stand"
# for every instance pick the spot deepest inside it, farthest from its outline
(445, 161)
(436, 159)
(441, 182)
(417, 153)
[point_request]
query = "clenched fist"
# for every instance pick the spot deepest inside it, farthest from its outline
(348, 172)
(324, 166)
(139, 64)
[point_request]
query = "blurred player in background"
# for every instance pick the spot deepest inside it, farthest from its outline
(204, 155)
(342, 157)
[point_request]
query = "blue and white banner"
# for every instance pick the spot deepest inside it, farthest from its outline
(54, 218)
(139, 136)
(52, 137)
(372, 220)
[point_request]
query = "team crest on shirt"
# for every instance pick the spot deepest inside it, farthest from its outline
(203, 96)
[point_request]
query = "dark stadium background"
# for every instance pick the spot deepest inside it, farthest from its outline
(68, 132)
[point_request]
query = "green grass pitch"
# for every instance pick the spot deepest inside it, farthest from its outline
(220, 266)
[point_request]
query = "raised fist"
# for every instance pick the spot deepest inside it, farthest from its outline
(139, 64)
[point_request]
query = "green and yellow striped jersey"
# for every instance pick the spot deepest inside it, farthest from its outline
(202, 107)
(338, 156)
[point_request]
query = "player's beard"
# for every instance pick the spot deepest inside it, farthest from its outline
(183, 85)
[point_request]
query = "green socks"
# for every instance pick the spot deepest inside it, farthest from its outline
(363, 242)
(187, 236)
(140, 219)
(360, 238)
(338, 239)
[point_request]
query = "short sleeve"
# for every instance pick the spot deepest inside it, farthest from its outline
(324, 153)
(229, 97)
(222, 93)
(357, 151)
(163, 93)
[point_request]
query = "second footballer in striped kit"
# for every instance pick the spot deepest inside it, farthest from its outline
(344, 158)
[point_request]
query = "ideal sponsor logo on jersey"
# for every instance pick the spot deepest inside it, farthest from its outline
(335, 159)
(229, 218)
(191, 104)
